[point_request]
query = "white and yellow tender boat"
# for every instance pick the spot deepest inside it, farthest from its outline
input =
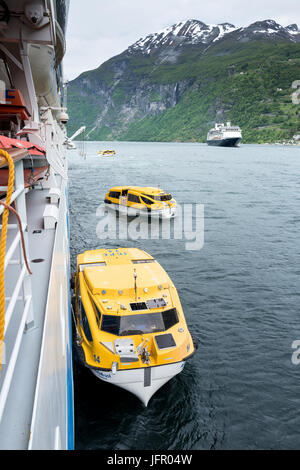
(107, 153)
(131, 330)
(136, 200)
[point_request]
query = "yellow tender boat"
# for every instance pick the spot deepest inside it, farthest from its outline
(107, 153)
(137, 200)
(131, 330)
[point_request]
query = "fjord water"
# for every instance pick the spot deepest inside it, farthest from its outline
(240, 294)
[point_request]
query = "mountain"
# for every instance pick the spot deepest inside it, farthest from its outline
(175, 84)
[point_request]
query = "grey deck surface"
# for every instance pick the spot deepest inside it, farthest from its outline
(15, 425)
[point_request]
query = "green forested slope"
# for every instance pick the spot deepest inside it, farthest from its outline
(247, 83)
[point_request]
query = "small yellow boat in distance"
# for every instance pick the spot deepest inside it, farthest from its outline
(137, 200)
(107, 153)
(131, 330)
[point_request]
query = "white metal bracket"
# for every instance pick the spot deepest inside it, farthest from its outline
(54, 195)
(50, 216)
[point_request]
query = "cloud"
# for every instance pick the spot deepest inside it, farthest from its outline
(99, 30)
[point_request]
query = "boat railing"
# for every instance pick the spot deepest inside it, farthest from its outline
(18, 298)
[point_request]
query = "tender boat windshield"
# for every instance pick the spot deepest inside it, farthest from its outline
(146, 200)
(139, 324)
(162, 197)
(166, 197)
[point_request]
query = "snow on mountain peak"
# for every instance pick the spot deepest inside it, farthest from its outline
(190, 31)
(293, 29)
(272, 29)
(196, 32)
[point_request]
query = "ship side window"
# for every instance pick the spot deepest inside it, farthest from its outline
(114, 194)
(85, 324)
(133, 198)
(110, 324)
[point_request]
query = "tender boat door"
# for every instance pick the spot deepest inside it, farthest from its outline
(123, 200)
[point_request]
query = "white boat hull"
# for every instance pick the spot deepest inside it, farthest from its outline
(142, 382)
(167, 213)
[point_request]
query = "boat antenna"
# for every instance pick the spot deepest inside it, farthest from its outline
(135, 287)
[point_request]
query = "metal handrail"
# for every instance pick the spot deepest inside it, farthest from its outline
(13, 245)
(15, 196)
(19, 285)
(13, 359)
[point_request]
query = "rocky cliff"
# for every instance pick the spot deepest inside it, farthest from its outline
(174, 84)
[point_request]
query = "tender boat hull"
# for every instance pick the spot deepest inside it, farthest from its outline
(167, 213)
(142, 382)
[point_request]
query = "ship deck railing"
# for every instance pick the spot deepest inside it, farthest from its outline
(19, 297)
(25, 303)
(36, 384)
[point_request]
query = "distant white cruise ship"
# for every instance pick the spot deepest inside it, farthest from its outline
(224, 136)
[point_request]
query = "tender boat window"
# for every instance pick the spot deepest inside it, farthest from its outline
(162, 197)
(166, 197)
(85, 324)
(133, 198)
(115, 194)
(98, 313)
(110, 324)
(139, 324)
(170, 318)
(146, 200)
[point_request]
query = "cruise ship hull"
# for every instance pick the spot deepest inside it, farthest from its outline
(230, 142)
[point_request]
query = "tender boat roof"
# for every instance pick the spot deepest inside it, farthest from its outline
(112, 256)
(142, 189)
(115, 279)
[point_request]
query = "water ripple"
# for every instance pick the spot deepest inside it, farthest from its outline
(240, 294)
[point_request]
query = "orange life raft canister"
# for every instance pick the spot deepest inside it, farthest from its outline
(14, 105)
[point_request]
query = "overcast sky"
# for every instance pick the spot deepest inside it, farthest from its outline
(100, 29)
